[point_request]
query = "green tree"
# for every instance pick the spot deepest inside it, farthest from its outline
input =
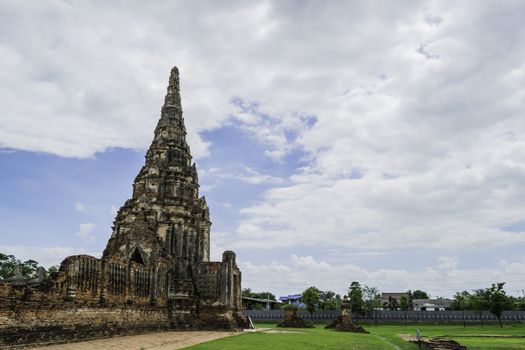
(247, 292)
(29, 267)
(53, 269)
(416, 294)
(355, 296)
(338, 301)
(496, 300)
(461, 303)
(478, 303)
(311, 299)
(519, 303)
(371, 298)
(404, 303)
(392, 304)
(493, 299)
(8, 263)
(372, 301)
(328, 300)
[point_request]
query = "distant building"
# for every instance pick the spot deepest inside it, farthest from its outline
(387, 298)
(432, 304)
(293, 299)
(249, 303)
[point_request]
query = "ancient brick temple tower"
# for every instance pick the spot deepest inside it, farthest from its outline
(155, 272)
(165, 224)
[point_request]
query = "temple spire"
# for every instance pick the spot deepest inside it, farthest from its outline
(172, 109)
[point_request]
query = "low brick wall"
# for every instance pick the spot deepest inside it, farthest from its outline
(32, 317)
(49, 323)
(91, 298)
(42, 324)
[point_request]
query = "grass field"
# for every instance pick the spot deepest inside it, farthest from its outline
(380, 337)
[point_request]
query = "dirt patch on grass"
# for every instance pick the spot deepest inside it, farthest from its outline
(275, 331)
(440, 342)
(408, 337)
(151, 341)
(510, 336)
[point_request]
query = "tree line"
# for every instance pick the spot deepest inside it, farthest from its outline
(364, 300)
(493, 299)
(27, 267)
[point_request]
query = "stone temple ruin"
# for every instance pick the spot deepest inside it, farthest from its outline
(343, 322)
(155, 272)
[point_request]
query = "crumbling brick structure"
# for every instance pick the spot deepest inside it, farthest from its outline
(343, 322)
(155, 272)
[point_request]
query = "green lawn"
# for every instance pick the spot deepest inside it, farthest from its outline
(469, 336)
(380, 337)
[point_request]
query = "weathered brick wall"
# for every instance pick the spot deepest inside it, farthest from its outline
(51, 322)
(207, 280)
(54, 312)
(92, 298)
(29, 316)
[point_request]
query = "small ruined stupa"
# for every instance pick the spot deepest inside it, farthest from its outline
(155, 272)
(292, 319)
(343, 322)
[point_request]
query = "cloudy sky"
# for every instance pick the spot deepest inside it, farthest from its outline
(335, 141)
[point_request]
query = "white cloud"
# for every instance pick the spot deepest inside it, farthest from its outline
(84, 232)
(253, 177)
(227, 205)
(242, 173)
(418, 139)
(433, 209)
(278, 132)
(113, 210)
(303, 271)
(46, 256)
(447, 262)
(206, 188)
(215, 252)
(79, 206)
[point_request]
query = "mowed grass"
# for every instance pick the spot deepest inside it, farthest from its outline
(474, 337)
(380, 337)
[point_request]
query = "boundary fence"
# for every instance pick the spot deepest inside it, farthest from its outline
(395, 316)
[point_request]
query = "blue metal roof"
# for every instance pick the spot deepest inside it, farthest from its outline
(291, 297)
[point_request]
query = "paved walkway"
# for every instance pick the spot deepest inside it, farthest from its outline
(150, 341)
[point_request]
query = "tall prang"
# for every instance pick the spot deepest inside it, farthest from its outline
(165, 218)
(155, 272)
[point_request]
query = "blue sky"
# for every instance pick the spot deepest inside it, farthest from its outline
(338, 141)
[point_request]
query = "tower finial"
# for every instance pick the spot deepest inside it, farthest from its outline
(172, 98)
(174, 78)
